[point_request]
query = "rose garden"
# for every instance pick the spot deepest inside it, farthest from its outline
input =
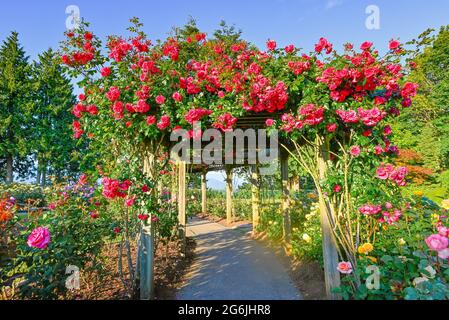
(343, 194)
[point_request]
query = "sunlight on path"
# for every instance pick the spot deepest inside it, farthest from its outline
(231, 266)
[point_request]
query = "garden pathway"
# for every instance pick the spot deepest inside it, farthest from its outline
(229, 265)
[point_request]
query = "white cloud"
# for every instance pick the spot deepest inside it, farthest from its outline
(333, 3)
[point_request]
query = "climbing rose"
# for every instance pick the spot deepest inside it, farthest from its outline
(143, 217)
(225, 122)
(92, 109)
(355, 151)
(113, 94)
(160, 99)
(196, 114)
(337, 188)
(151, 120)
(370, 210)
(323, 44)
(177, 97)
(88, 36)
(371, 117)
(164, 122)
(345, 267)
(437, 242)
(105, 72)
(290, 48)
(129, 202)
(366, 46)
(332, 127)
(269, 122)
(271, 45)
(394, 44)
(39, 238)
(312, 114)
(349, 116)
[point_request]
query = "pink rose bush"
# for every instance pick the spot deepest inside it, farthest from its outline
(39, 238)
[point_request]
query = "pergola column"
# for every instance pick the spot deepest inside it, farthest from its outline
(182, 198)
(330, 252)
(204, 192)
(255, 197)
(285, 196)
(229, 195)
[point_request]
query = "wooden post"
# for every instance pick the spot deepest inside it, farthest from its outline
(255, 199)
(285, 196)
(182, 198)
(229, 195)
(330, 253)
(146, 263)
(204, 192)
(146, 245)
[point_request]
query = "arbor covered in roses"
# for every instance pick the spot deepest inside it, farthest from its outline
(333, 107)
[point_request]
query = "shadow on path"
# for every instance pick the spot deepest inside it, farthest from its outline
(231, 266)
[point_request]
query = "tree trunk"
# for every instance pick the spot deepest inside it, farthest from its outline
(44, 176)
(9, 169)
(38, 177)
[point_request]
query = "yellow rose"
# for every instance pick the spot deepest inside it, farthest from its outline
(445, 204)
(402, 242)
(366, 248)
(418, 193)
(306, 238)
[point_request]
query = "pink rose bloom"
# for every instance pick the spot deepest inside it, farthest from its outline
(444, 231)
(269, 122)
(331, 127)
(271, 45)
(444, 254)
(370, 210)
(177, 97)
(52, 206)
(39, 238)
(129, 202)
(160, 99)
(345, 267)
(355, 151)
(382, 173)
(437, 242)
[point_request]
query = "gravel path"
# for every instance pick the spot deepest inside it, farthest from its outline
(231, 266)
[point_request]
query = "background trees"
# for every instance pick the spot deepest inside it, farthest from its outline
(35, 122)
(15, 103)
(52, 144)
(424, 129)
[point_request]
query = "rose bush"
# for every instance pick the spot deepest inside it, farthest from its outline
(72, 233)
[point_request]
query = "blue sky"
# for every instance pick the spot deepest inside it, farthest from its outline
(301, 22)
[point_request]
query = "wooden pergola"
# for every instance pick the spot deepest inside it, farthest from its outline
(257, 121)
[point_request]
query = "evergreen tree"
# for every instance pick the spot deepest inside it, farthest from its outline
(52, 133)
(14, 107)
